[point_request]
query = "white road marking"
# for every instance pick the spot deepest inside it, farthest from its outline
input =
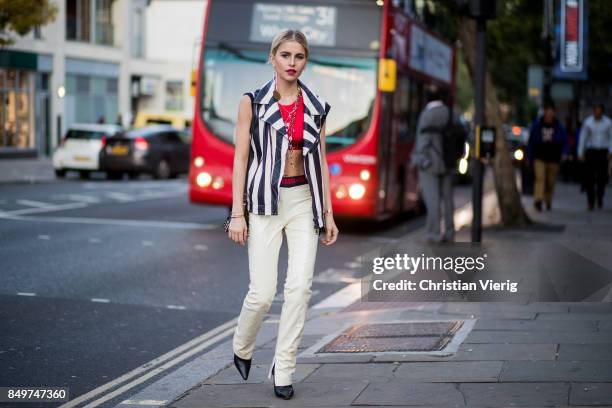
(147, 243)
(353, 265)
(26, 294)
(176, 307)
(100, 300)
(25, 211)
(200, 247)
(171, 358)
(95, 240)
(36, 204)
(333, 275)
(119, 196)
(84, 198)
(118, 222)
(45, 237)
(341, 298)
(146, 403)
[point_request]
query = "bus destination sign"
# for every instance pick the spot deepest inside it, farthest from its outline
(318, 23)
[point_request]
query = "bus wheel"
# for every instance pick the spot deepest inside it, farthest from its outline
(60, 173)
(84, 174)
(114, 175)
(163, 170)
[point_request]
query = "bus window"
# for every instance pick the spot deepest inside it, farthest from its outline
(348, 84)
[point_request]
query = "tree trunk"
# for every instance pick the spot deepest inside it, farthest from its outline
(508, 197)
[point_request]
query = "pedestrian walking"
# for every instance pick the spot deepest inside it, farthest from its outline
(280, 131)
(595, 150)
(435, 174)
(546, 148)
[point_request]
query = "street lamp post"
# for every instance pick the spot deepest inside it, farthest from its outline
(481, 11)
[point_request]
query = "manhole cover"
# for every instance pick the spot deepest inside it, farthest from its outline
(380, 337)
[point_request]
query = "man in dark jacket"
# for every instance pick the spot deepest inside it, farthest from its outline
(546, 148)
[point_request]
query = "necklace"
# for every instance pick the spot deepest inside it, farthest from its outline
(290, 124)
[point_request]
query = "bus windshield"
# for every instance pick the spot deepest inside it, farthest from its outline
(348, 84)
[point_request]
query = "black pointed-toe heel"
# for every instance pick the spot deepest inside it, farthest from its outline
(243, 366)
(282, 391)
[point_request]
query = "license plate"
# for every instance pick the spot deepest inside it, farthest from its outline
(81, 158)
(119, 150)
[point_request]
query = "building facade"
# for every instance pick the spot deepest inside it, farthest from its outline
(99, 61)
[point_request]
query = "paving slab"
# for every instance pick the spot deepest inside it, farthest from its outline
(501, 307)
(591, 307)
(357, 372)
(530, 337)
(537, 325)
(335, 358)
(574, 316)
(484, 352)
(262, 395)
(258, 374)
(450, 371)
(510, 314)
(605, 325)
(515, 394)
(591, 394)
(306, 342)
(404, 393)
(582, 352)
(580, 371)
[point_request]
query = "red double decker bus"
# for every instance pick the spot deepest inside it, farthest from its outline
(368, 59)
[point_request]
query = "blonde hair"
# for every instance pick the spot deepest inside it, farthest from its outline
(289, 35)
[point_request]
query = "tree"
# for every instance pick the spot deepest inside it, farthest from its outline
(446, 18)
(508, 197)
(20, 16)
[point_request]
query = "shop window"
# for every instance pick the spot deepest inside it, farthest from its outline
(174, 95)
(16, 109)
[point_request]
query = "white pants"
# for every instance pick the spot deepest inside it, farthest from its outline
(295, 217)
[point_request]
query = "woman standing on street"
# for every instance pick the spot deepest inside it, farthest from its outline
(280, 131)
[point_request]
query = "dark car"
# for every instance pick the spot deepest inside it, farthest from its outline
(161, 151)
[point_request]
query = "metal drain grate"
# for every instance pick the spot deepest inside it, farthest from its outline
(380, 337)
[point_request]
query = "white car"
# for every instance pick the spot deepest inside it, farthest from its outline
(80, 149)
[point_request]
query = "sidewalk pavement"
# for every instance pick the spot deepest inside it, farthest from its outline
(527, 354)
(18, 171)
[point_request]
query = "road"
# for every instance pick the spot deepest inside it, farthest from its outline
(100, 277)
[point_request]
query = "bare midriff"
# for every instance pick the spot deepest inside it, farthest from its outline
(294, 163)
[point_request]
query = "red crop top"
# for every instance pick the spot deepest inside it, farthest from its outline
(298, 135)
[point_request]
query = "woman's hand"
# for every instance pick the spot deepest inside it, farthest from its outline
(238, 230)
(331, 231)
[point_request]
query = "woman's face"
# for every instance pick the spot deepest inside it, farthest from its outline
(289, 61)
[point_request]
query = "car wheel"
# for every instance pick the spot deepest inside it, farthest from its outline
(114, 175)
(163, 170)
(84, 174)
(60, 173)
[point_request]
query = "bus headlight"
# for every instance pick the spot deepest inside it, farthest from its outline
(364, 175)
(198, 161)
(217, 183)
(518, 154)
(203, 179)
(341, 191)
(356, 191)
(463, 166)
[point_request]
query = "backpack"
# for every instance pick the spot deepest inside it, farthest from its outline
(454, 138)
